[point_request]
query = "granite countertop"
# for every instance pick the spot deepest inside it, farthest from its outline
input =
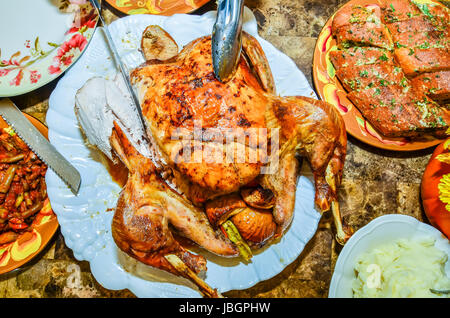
(375, 181)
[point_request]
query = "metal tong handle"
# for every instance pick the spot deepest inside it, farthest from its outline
(227, 38)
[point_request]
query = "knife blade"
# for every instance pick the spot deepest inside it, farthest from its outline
(40, 145)
(226, 40)
(123, 70)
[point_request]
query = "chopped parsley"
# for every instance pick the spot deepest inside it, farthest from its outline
(424, 45)
(404, 82)
(364, 73)
(383, 57)
(423, 7)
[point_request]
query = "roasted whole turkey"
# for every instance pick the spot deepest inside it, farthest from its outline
(217, 163)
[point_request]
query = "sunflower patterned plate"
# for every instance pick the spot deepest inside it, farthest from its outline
(29, 244)
(39, 40)
(161, 7)
(330, 89)
(435, 188)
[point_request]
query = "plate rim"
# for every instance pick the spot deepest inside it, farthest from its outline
(113, 4)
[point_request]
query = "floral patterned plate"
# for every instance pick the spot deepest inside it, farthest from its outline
(330, 89)
(39, 40)
(160, 7)
(29, 244)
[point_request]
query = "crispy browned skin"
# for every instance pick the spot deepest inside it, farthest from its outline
(184, 93)
(417, 61)
(398, 10)
(157, 43)
(401, 10)
(417, 32)
(256, 226)
(358, 33)
(312, 129)
(378, 80)
(356, 14)
(258, 197)
(435, 85)
(384, 95)
(360, 25)
(145, 209)
(365, 67)
(181, 92)
(222, 208)
(420, 34)
(411, 115)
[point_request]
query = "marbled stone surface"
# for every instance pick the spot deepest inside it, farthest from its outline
(375, 181)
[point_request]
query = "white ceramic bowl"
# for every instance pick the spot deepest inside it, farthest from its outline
(384, 229)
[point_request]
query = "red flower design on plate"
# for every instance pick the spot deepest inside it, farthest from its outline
(4, 72)
(17, 80)
(67, 52)
(14, 65)
(34, 76)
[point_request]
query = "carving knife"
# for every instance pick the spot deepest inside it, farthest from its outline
(122, 68)
(226, 40)
(39, 144)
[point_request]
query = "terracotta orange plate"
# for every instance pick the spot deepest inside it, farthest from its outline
(28, 245)
(161, 7)
(330, 89)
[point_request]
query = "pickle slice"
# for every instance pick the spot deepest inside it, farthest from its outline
(236, 238)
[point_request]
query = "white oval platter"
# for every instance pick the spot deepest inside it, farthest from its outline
(85, 219)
